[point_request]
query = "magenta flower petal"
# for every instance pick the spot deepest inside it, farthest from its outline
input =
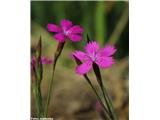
(53, 28)
(80, 55)
(60, 37)
(45, 60)
(74, 37)
(75, 29)
(92, 47)
(105, 62)
(108, 50)
(33, 62)
(84, 68)
(49, 61)
(66, 24)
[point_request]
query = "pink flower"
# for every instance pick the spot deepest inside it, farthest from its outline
(66, 30)
(44, 60)
(33, 62)
(93, 54)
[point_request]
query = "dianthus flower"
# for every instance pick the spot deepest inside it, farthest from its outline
(93, 54)
(66, 30)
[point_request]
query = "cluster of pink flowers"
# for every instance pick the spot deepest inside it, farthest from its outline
(92, 57)
(93, 53)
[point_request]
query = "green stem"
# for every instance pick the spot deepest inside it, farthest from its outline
(108, 102)
(37, 94)
(56, 56)
(36, 101)
(99, 98)
(40, 100)
(38, 72)
(99, 79)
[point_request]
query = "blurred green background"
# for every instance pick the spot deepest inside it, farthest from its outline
(105, 22)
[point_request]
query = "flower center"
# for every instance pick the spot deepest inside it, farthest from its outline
(93, 57)
(65, 32)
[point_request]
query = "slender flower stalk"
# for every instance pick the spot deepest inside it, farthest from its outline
(56, 56)
(107, 99)
(99, 108)
(37, 63)
(39, 75)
